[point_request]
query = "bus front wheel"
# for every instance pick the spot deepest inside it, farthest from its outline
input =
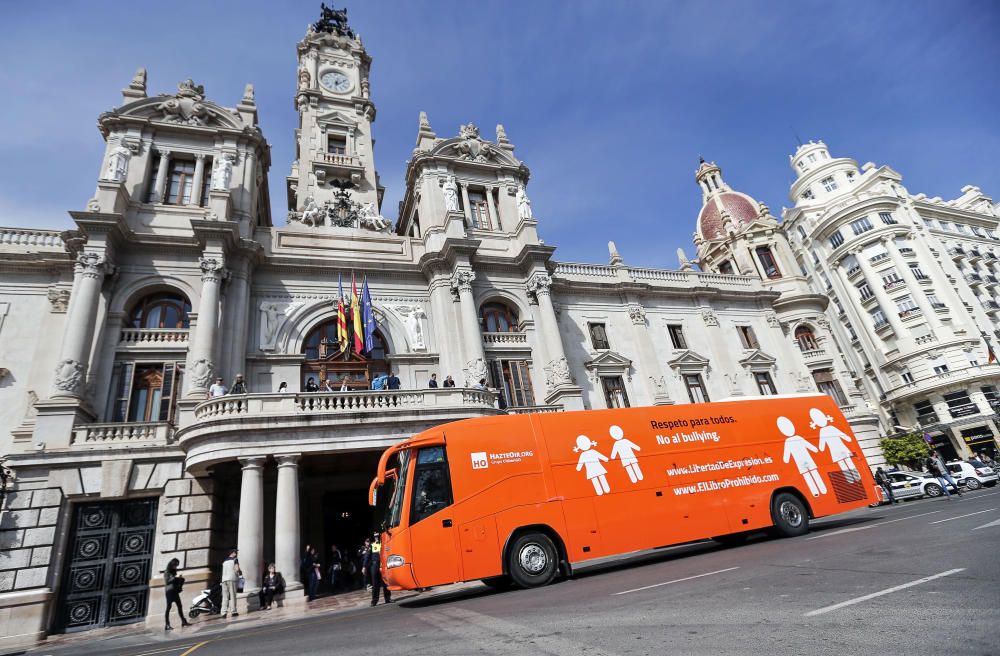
(789, 515)
(532, 560)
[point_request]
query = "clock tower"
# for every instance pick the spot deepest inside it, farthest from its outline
(333, 179)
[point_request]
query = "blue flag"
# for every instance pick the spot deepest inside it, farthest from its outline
(367, 316)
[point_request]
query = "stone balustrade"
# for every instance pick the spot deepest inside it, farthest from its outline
(123, 434)
(503, 339)
(814, 354)
(158, 337)
(30, 239)
(531, 409)
(582, 272)
(320, 403)
(954, 377)
(340, 160)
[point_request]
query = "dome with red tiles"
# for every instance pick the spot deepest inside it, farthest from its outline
(740, 207)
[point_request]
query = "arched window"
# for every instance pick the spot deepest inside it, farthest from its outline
(325, 361)
(498, 318)
(806, 338)
(163, 310)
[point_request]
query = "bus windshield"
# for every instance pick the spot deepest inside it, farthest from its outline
(395, 513)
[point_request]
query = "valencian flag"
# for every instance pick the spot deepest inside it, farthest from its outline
(341, 315)
(359, 342)
(367, 315)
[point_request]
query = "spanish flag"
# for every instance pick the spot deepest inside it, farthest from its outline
(359, 331)
(992, 357)
(341, 316)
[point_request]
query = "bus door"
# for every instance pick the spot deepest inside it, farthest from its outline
(434, 548)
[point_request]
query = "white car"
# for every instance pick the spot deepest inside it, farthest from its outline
(913, 485)
(972, 474)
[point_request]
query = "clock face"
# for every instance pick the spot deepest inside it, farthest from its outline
(335, 81)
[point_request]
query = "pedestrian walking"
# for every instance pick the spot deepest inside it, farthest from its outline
(314, 573)
(172, 585)
(373, 569)
(883, 480)
(449, 382)
(217, 389)
(335, 568)
(936, 467)
(230, 577)
(239, 386)
(433, 382)
(273, 583)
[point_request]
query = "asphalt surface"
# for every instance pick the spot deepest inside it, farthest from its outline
(921, 577)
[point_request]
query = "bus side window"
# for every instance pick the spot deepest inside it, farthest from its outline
(431, 485)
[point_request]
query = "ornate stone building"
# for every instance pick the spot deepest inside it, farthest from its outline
(112, 333)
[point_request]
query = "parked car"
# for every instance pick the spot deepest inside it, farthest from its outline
(913, 485)
(973, 474)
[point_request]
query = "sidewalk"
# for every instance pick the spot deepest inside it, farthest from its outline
(206, 625)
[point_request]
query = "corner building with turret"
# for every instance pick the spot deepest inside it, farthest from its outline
(113, 334)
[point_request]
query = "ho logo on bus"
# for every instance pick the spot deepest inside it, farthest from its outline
(480, 460)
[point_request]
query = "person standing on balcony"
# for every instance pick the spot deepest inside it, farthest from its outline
(449, 382)
(311, 385)
(239, 386)
(283, 388)
(344, 384)
(481, 385)
(327, 386)
(433, 382)
(217, 389)
(393, 381)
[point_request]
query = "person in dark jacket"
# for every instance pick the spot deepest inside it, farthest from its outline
(314, 573)
(433, 382)
(883, 480)
(449, 382)
(239, 385)
(272, 583)
(392, 382)
(336, 568)
(936, 468)
(372, 568)
(172, 585)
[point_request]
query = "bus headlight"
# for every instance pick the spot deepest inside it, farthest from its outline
(394, 561)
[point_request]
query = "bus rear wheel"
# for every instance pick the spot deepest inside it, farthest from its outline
(532, 560)
(789, 515)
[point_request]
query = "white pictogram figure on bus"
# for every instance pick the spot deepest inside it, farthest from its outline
(624, 450)
(832, 439)
(592, 458)
(798, 448)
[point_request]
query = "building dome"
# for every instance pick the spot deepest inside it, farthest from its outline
(741, 209)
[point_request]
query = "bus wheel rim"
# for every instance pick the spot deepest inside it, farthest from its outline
(790, 513)
(532, 558)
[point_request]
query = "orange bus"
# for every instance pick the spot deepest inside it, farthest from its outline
(523, 498)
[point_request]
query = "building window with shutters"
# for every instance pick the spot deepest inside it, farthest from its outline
(144, 391)
(614, 392)
(599, 337)
(336, 144)
(806, 339)
(827, 384)
(765, 385)
(747, 338)
(512, 378)
(676, 333)
(479, 210)
(836, 239)
(696, 388)
(767, 262)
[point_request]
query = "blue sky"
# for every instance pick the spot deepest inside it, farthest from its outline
(609, 104)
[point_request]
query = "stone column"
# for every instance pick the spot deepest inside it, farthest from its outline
(160, 185)
(286, 520)
(199, 180)
(885, 302)
(238, 321)
(250, 535)
(494, 215)
(465, 206)
(557, 368)
(74, 358)
(201, 359)
(650, 364)
(914, 286)
(472, 338)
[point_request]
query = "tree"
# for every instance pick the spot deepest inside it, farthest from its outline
(906, 449)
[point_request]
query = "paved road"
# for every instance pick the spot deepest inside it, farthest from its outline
(920, 577)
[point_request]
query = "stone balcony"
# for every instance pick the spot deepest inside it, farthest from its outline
(958, 378)
(154, 338)
(122, 435)
(500, 340)
(253, 424)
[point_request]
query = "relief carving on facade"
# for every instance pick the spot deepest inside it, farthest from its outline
(91, 265)
(472, 147)
(186, 107)
(69, 376)
(118, 160)
(200, 373)
(450, 191)
(212, 269)
(539, 283)
(272, 316)
(708, 316)
(637, 314)
(772, 319)
(462, 280)
(222, 172)
(557, 373)
(413, 316)
(59, 299)
(475, 371)
(341, 212)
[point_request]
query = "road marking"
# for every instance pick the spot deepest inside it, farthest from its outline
(961, 516)
(164, 651)
(865, 528)
(686, 578)
(195, 647)
(896, 588)
(995, 523)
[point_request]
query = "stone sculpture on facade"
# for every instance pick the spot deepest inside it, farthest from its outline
(222, 172)
(557, 373)
(523, 204)
(272, 316)
(248, 94)
(682, 258)
(450, 189)
(305, 79)
(333, 21)
(200, 373)
(69, 376)
(475, 371)
(413, 316)
(472, 147)
(186, 107)
(370, 219)
(59, 299)
(637, 314)
(117, 163)
(709, 318)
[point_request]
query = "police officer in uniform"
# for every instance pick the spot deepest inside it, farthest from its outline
(371, 568)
